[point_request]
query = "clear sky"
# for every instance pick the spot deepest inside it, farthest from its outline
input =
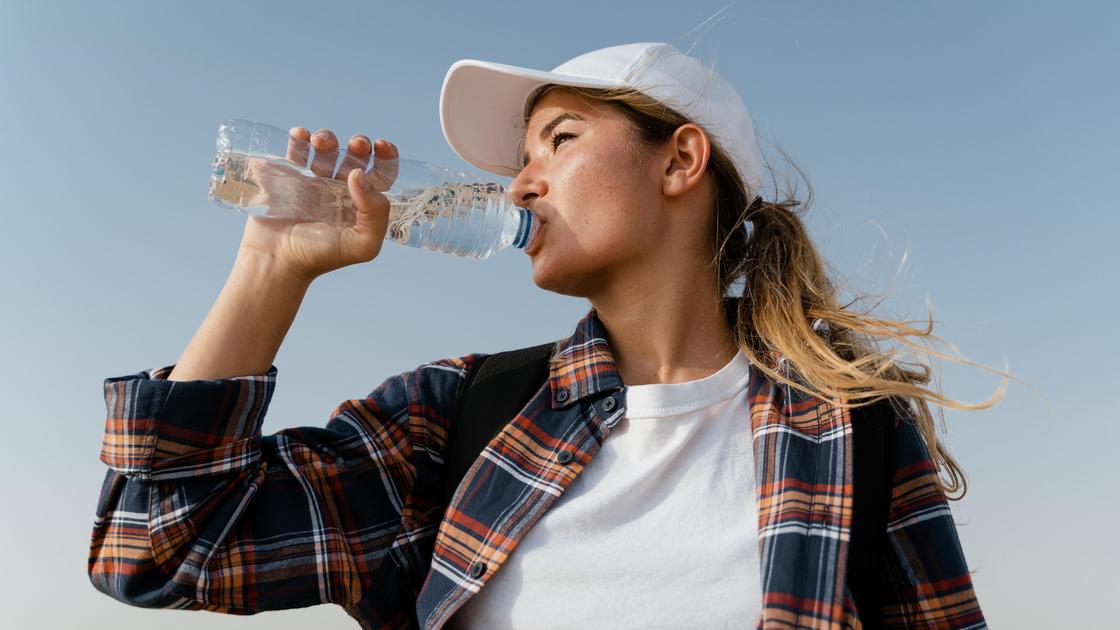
(961, 154)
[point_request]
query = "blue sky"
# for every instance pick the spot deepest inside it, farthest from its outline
(960, 155)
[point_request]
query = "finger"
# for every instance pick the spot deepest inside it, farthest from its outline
(326, 153)
(357, 156)
(386, 165)
(299, 145)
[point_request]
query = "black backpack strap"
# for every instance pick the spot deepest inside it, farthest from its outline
(494, 390)
(873, 428)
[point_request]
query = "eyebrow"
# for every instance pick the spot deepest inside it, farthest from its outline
(547, 129)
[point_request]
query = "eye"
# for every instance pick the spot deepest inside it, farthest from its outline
(557, 137)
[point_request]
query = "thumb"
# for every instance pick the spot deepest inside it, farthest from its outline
(372, 207)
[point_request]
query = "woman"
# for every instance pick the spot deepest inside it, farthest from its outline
(688, 462)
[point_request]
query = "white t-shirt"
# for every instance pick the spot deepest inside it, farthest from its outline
(660, 529)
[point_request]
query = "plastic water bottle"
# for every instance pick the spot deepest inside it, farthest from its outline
(430, 207)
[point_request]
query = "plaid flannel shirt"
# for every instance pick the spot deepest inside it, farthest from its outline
(199, 510)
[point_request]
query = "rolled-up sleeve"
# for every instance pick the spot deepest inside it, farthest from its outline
(161, 429)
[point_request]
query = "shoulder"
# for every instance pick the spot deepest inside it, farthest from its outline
(435, 373)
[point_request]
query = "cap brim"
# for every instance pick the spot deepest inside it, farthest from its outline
(482, 110)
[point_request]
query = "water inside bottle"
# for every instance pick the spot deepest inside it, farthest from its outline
(426, 217)
(275, 187)
(453, 217)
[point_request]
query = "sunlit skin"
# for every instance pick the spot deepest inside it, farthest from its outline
(626, 227)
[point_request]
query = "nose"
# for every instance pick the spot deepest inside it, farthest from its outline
(527, 186)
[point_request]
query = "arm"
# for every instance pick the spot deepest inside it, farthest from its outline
(200, 511)
(244, 329)
(926, 582)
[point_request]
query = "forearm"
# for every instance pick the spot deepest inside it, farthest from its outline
(244, 329)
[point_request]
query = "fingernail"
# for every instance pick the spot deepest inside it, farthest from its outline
(363, 181)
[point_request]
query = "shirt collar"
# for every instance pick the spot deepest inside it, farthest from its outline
(582, 366)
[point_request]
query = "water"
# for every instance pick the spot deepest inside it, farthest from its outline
(472, 220)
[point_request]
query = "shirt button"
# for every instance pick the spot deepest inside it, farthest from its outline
(564, 456)
(562, 395)
(477, 569)
(608, 404)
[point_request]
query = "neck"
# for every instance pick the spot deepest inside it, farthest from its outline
(663, 333)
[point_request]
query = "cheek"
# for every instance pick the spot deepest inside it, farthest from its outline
(600, 188)
(604, 203)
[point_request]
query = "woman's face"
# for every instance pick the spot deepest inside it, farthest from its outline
(599, 198)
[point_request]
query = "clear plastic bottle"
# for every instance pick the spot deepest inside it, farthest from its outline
(431, 207)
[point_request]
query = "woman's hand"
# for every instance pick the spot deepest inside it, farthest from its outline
(308, 249)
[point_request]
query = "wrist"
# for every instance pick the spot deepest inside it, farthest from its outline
(266, 270)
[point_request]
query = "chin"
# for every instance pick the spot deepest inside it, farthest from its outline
(563, 279)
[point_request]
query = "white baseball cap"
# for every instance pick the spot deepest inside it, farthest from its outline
(482, 106)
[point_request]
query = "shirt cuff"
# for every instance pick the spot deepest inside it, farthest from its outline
(160, 429)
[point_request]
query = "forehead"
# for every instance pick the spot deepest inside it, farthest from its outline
(559, 99)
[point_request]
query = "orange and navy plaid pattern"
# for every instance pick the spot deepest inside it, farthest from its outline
(200, 511)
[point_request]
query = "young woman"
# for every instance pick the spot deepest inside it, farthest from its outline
(691, 459)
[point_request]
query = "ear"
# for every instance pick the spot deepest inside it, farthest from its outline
(688, 152)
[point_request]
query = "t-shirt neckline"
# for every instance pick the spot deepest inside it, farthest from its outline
(656, 400)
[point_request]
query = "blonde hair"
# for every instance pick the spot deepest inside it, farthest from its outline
(786, 291)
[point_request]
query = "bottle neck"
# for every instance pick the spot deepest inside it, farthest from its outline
(526, 230)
